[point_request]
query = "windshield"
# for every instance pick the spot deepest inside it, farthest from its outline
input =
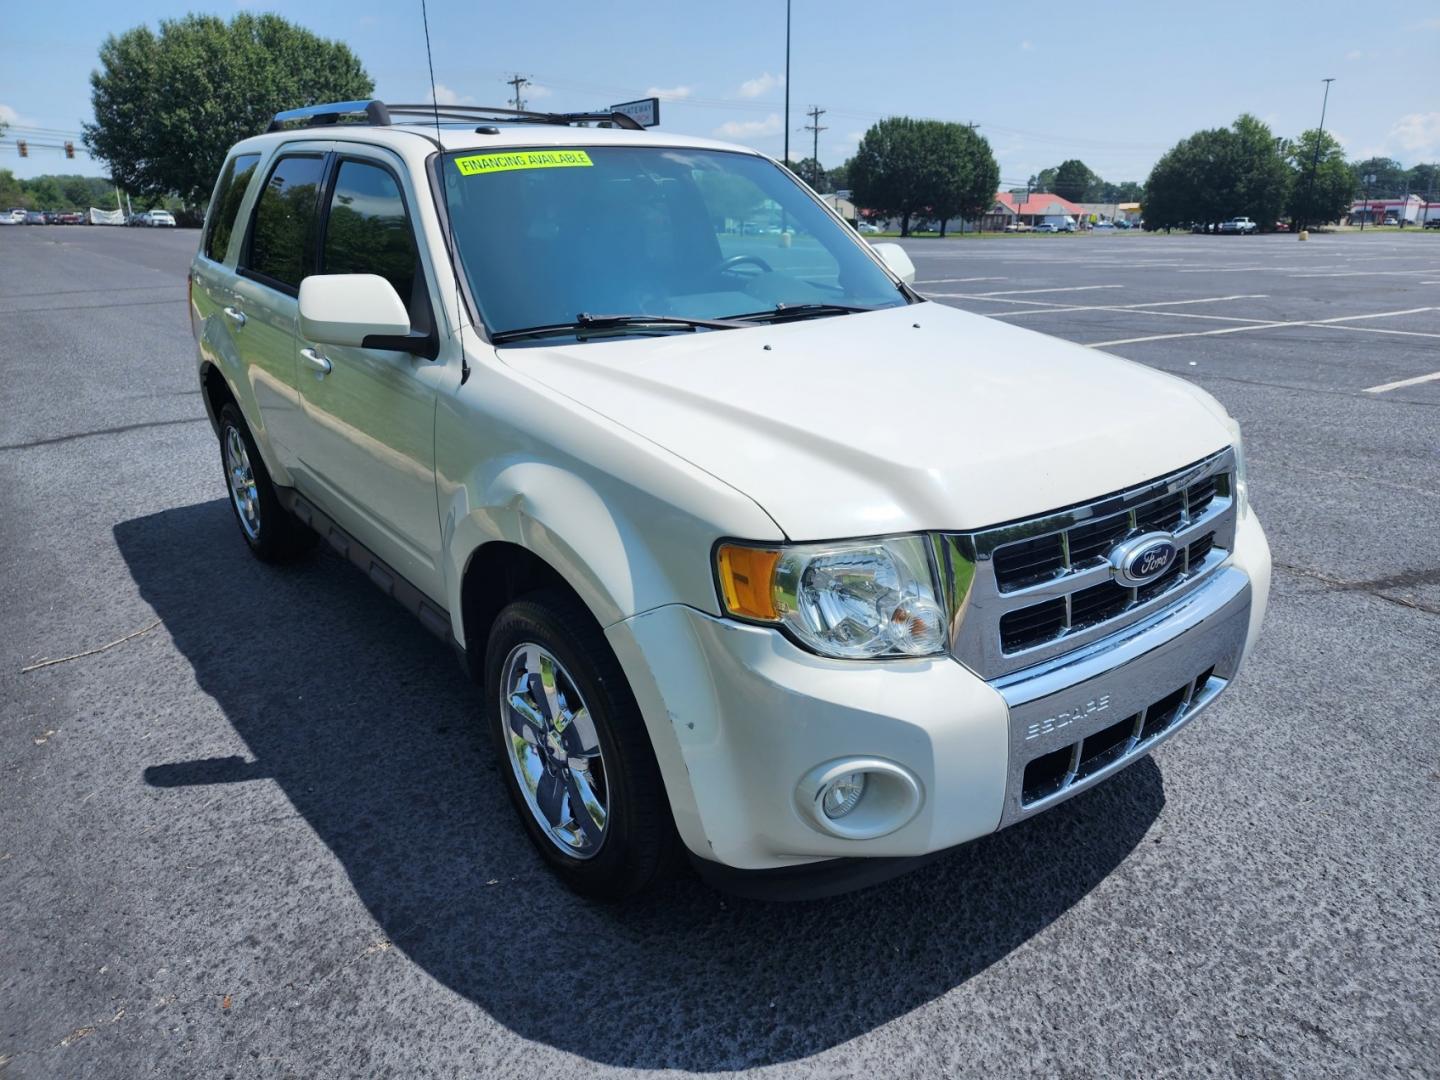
(546, 235)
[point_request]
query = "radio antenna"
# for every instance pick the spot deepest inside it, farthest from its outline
(444, 198)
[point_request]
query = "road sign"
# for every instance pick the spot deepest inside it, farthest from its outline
(645, 112)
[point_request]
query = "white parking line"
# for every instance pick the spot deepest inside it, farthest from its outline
(1434, 375)
(1256, 326)
(952, 280)
(1058, 308)
(1382, 330)
(1067, 288)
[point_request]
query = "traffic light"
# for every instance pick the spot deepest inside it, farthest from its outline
(24, 147)
(69, 149)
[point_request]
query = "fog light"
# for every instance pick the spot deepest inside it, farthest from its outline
(842, 795)
(858, 798)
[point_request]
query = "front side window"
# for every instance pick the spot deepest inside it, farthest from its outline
(368, 232)
(284, 223)
(229, 194)
(701, 234)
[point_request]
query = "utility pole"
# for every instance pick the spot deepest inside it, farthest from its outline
(815, 112)
(1315, 161)
(519, 82)
(1369, 179)
(787, 82)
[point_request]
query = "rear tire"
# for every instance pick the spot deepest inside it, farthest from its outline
(575, 754)
(272, 532)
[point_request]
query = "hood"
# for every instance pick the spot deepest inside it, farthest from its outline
(912, 418)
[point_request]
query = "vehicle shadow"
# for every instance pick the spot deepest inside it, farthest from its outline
(369, 727)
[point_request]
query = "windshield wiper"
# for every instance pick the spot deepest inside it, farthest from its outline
(585, 321)
(785, 312)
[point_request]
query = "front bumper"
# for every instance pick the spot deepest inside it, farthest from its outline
(739, 715)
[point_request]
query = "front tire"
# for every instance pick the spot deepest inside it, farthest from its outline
(573, 748)
(272, 532)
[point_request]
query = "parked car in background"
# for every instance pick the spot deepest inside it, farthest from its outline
(1019, 226)
(35, 217)
(1391, 219)
(1121, 223)
(1239, 226)
(868, 228)
(1282, 226)
(12, 217)
(1432, 223)
(70, 217)
(1104, 226)
(154, 218)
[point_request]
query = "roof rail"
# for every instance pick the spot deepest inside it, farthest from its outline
(379, 114)
(319, 115)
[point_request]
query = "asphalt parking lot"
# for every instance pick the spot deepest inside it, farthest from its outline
(263, 837)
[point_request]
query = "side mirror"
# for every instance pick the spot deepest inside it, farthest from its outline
(348, 309)
(893, 255)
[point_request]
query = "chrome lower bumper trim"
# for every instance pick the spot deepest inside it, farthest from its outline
(1064, 701)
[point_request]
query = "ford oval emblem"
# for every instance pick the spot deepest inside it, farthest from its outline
(1141, 560)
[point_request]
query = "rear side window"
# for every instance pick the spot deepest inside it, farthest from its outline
(283, 229)
(229, 194)
(368, 232)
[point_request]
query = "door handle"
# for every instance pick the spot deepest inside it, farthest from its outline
(319, 363)
(235, 315)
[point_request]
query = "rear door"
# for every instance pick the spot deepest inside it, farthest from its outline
(368, 448)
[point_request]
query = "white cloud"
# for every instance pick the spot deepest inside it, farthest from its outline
(670, 93)
(1027, 46)
(8, 115)
(445, 96)
(761, 84)
(1416, 135)
(749, 129)
(535, 90)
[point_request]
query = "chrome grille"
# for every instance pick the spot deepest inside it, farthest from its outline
(1030, 590)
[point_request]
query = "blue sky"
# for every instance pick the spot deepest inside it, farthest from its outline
(1043, 82)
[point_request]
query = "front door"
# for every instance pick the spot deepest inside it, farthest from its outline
(367, 450)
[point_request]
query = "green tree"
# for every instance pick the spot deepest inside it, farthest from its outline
(1125, 191)
(840, 177)
(966, 174)
(1073, 180)
(1322, 183)
(169, 106)
(1425, 179)
(1390, 176)
(811, 171)
(892, 168)
(1044, 180)
(1217, 174)
(11, 193)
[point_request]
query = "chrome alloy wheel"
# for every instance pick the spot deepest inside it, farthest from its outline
(554, 750)
(241, 478)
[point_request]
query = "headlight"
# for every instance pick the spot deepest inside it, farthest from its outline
(856, 600)
(1242, 483)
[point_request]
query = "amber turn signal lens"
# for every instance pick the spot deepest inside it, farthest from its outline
(746, 578)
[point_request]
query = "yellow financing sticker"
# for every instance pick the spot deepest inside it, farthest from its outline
(476, 164)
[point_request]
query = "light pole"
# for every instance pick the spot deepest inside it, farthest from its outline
(1369, 179)
(1315, 161)
(787, 82)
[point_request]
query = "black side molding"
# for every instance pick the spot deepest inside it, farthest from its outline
(384, 577)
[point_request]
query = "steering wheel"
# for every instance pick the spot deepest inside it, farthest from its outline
(734, 261)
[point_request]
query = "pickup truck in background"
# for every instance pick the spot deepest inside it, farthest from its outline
(1242, 225)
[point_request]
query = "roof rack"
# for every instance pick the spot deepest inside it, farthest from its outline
(379, 114)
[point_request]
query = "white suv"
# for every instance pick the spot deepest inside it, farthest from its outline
(758, 555)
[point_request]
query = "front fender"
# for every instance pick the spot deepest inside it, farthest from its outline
(626, 523)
